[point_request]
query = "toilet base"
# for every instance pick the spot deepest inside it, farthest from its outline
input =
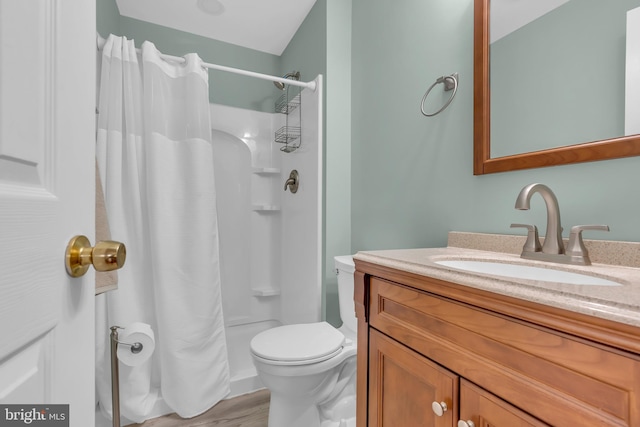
(342, 412)
(306, 414)
(324, 398)
(285, 412)
(345, 422)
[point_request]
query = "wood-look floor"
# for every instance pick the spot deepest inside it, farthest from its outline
(250, 410)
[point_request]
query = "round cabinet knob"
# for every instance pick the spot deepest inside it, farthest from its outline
(467, 423)
(105, 256)
(439, 408)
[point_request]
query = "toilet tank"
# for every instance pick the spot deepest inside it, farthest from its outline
(345, 268)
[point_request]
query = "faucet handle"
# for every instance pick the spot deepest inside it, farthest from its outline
(533, 240)
(576, 248)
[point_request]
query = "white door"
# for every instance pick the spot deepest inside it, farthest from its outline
(47, 143)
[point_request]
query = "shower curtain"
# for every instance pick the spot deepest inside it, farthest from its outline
(156, 164)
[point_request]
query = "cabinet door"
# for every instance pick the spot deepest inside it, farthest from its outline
(403, 385)
(487, 410)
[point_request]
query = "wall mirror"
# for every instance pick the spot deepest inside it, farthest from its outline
(533, 85)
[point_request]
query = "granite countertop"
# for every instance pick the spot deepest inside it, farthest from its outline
(617, 303)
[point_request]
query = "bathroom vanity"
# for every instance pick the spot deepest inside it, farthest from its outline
(439, 346)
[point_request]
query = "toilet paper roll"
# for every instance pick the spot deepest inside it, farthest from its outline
(136, 332)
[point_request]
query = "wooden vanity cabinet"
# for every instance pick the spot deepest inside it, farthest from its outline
(402, 382)
(493, 360)
(485, 410)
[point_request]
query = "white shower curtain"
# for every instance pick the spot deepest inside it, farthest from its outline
(156, 164)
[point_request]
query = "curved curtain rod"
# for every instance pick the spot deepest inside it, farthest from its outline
(311, 85)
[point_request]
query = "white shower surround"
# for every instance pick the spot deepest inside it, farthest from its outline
(271, 240)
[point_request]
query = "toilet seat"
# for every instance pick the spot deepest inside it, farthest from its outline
(299, 344)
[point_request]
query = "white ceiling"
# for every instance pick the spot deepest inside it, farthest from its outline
(509, 15)
(264, 25)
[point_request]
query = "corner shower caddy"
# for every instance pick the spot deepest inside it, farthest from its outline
(289, 135)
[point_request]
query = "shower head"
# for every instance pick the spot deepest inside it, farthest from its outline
(294, 75)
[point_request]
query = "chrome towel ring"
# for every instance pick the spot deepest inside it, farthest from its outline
(450, 83)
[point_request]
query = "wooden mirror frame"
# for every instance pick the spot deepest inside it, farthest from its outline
(614, 148)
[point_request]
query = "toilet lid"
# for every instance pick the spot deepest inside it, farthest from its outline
(302, 342)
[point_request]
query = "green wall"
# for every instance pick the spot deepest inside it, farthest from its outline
(108, 17)
(412, 179)
(337, 155)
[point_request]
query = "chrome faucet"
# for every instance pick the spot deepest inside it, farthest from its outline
(553, 237)
(553, 248)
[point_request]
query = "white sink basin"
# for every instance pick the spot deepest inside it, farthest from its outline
(527, 272)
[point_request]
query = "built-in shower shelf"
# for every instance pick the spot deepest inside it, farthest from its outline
(266, 171)
(266, 208)
(265, 292)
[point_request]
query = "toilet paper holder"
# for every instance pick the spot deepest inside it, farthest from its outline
(136, 348)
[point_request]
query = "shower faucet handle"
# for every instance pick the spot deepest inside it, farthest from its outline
(293, 182)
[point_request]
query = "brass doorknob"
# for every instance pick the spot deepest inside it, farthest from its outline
(105, 256)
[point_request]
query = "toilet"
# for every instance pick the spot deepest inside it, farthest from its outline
(310, 368)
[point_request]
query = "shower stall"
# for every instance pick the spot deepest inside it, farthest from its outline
(270, 238)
